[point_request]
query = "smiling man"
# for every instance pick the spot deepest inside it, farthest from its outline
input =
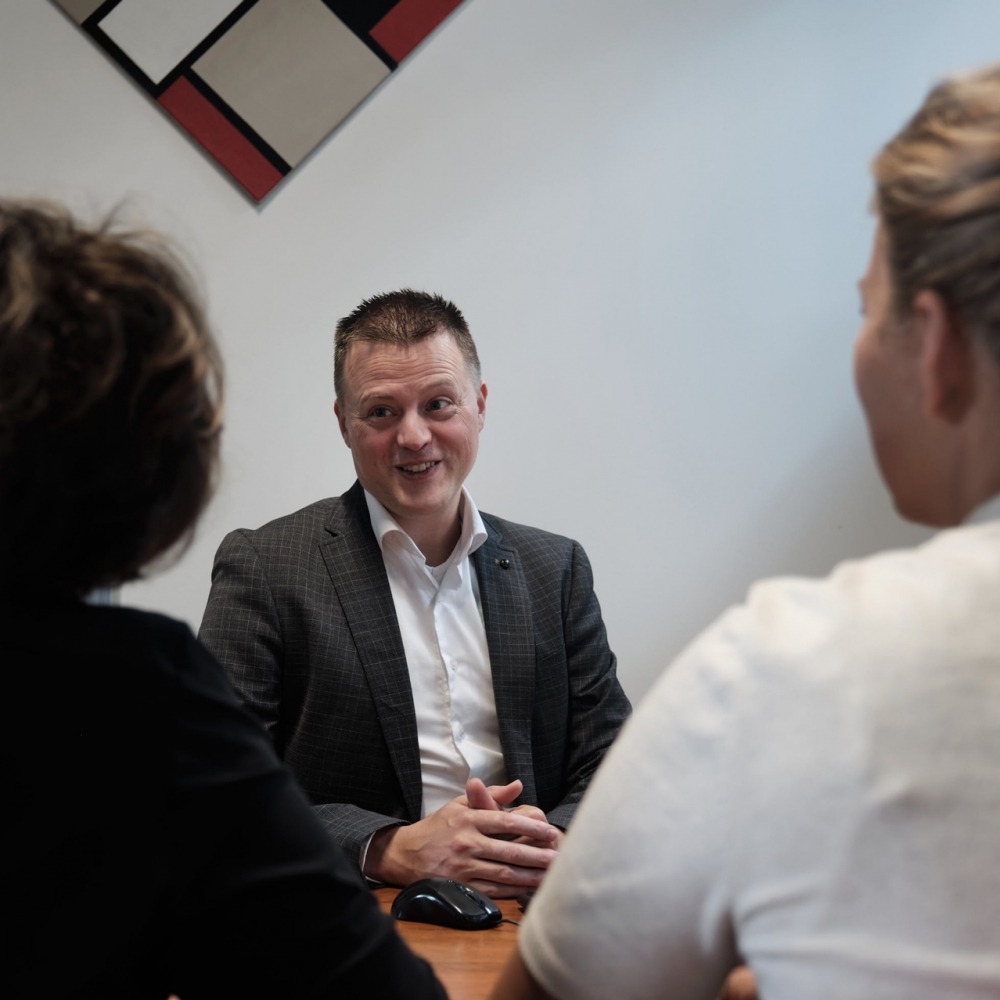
(438, 679)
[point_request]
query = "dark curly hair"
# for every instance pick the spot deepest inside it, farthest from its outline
(110, 401)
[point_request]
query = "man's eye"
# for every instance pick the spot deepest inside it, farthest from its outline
(378, 412)
(438, 404)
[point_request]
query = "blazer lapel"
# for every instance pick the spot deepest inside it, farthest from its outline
(354, 562)
(510, 637)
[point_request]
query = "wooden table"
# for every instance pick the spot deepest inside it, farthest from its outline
(466, 962)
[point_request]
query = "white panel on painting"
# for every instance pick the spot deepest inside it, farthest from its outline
(156, 36)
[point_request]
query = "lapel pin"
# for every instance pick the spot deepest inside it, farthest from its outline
(503, 563)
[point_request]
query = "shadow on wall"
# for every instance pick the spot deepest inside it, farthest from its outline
(831, 508)
(834, 507)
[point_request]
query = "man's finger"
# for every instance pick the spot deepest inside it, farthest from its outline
(503, 795)
(513, 826)
(477, 795)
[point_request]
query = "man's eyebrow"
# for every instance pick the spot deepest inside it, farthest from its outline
(450, 386)
(371, 397)
(445, 384)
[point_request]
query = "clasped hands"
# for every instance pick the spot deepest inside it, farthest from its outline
(475, 838)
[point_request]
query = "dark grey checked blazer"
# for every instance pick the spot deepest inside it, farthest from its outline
(301, 617)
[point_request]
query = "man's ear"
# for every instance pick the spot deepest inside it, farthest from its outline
(947, 366)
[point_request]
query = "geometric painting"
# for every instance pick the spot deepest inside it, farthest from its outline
(258, 84)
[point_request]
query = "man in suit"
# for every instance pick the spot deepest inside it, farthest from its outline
(438, 679)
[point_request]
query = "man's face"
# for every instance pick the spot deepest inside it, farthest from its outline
(411, 417)
(887, 377)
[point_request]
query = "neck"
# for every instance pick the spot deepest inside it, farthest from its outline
(435, 543)
(435, 534)
(980, 479)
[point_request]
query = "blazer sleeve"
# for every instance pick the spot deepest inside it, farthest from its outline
(598, 706)
(242, 627)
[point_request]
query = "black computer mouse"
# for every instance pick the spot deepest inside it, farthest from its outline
(447, 902)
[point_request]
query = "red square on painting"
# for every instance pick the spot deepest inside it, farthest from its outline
(219, 138)
(409, 23)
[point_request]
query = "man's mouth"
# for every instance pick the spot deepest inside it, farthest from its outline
(415, 470)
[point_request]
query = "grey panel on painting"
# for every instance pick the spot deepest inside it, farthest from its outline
(156, 36)
(292, 71)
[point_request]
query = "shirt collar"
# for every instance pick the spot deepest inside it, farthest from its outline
(473, 530)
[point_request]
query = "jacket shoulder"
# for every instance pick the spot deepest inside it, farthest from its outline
(517, 535)
(314, 514)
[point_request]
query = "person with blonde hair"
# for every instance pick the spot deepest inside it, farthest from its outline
(152, 843)
(813, 787)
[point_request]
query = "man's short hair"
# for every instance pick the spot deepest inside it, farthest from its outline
(402, 318)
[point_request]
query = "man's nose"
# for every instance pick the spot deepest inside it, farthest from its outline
(413, 432)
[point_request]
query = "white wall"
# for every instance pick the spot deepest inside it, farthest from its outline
(653, 214)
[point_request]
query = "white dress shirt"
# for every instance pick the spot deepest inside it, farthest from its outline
(441, 623)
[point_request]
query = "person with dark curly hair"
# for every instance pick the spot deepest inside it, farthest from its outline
(153, 843)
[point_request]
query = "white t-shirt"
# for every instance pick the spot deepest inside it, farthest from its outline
(812, 787)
